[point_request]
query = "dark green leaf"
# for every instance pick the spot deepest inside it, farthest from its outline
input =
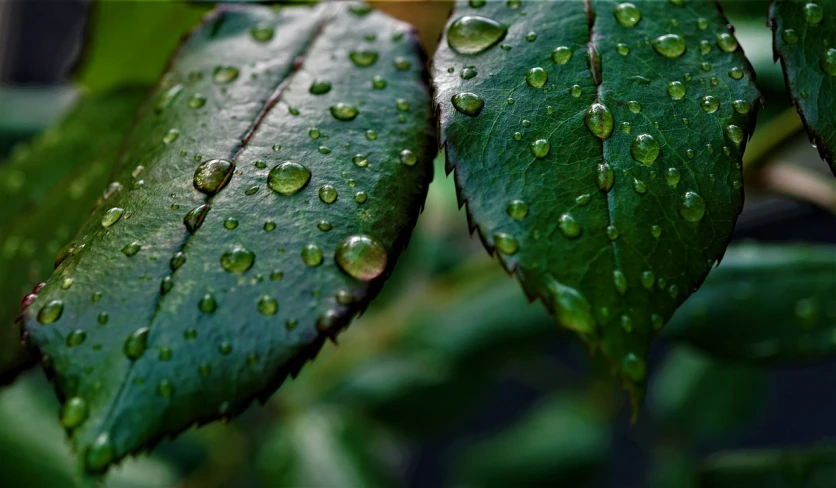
(765, 303)
(698, 396)
(188, 304)
(801, 30)
(47, 189)
(767, 468)
(558, 171)
(560, 442)
(673, 468)
(130, 42)
(325, 447)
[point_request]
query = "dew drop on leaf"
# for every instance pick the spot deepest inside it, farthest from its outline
(604, 177)
(506, 243)
(267, 305)
(361, 257)
(408, 158)
(634, 367)
(99, 454)
(569, 227)
(363, 58)
(467, 103)
(76, 338)
(742, 106)
(627, 14)
(224, 74)
(813, 13)
(51, 312)
(197, 101)
(599, 120)
(312, 255)
(73, 412)
(194, 218)
(207, 303)
(536, 77)
(262, 32)
(343, 111)
(828, 64)
(237, 260)
(670, 46)
(735, 133)
(691, 207)
(540, 148)
(561, 55)
(676, 90)
(709, 104)
(790, 36)
(212, 175)
(619, 281)
(328, 194)
(727, 42)
(112, 216)
(517, 209)
(472, 34)
(645, 149)
(672, 176)
(288, 178)
(134, 346)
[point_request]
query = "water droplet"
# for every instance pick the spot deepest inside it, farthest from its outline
(343, 111)
(361, 257)
(540, 148)
(472, 34)
(634, 106)
(790, 36)
(627, 14)
(468, 72)
(73, 412)
(828, 63)
(622, 49)
(612, 232)
(51, 312)
(467, 103)
(672, 176)
(112, 216)
(514, 4)
(647, 279)
(102, 318)
(237, 260)
(134, 346)
(76, 337)
(571, 308)
(620, 282)
(267, 305)
(131, 248)
(575, 91)
(363, 58)
(262, 32)
(735, 133)
(194, 219)
(212, 175)
(517, 209)
(736, 73)
(626, 127)
(604, 177)
(165, 388)
(670, 46)
(506, 243)
(583, 199)
(401, 63)
(634, 367)
(314, 133)
(536, 77)
(742, 106)
(477, 3)
(568, 226)
(645, 149)
(288, 178)
(361, 197)
(655, 231)
(676, 90)
(639, 186)
(691, 207)
(197, 101)
(599, 120)
(727, 42)
(408, 157)
(312, 255)
(328, 194)
(323, 225)
(165, 354)
(626, 323)
(99, 453)
(702, 23)
(207, 303)
(224, 74)
(813, 13)
(561, 55)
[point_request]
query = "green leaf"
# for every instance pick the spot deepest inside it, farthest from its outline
(800, 30)
(327, 447)
(47, 189)
(130, 42)
(707, 400)
(771, 468)
(560, 442)
(189, 304)
(608, 191)
(764, 304)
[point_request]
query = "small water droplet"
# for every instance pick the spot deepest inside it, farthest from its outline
(288, 178)
(408, 158)
(670, 46)
(267, 305)
(328, 194)
(672, 176)
(561, 55)
(626, 127)
(225, 74)
(568, 226)
(536, 77)
(813, 13)
(645, 149)
(361, 257)
(477, 3)
(467, 103)
(468, 72)
(112, 216)
(735, 133)
(599, 120)
(102, 318)
(472, 34)
(517, 209)
(576, 91)
(343, 111)
(626, 323)
(727, 42)
(790, 36)
(540, 148)
(742, 106)
(655, 231)
(604, 177)
(99, 453)
(212, 175)
(702, 23)
(620, 282)
(506, 243)
(194, 219)
(401, 63)
(582, 200)
(323, 225)
(634, 367)
(828, 63)
(622, 49)
(312, 255)
(612, 232)
(691, 207)
(134, 346)
(736, 73)
(361, 197)
(262, 32)
(207, 303)
(647, 279)
(639, 186)
(627, 14)
(132, 248)
(676, 90)
(165, 388)
(73, 412)
(237, 260)
(320, 87)
(363, 58)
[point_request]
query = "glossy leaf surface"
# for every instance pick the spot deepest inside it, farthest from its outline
(803, 32)
(597, 147)
(765, 303)
(47, 190)
(265, 193)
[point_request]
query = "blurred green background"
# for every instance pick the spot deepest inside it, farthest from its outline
(451, 378)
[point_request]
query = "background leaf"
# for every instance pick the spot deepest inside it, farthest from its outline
(597, 147)
(769, 468)
(200, 286)
(47, 190)
(801, 31)
(764, 303)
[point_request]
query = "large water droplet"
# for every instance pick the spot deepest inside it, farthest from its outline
(361, 257)
(73, 412)
(312, 255)
(604, 177)
(76, 338)
(194, 219)
(627, 14)
(517, 209)
(735, 133)
(212, 175)
(599, 120)
(237, 260)
(568, 226)
(328, 194)
(571, 308)
(561, 55)
(692, 207)
(540, 148)
(473, 34)
(670, 45)
(343, 111)
(672, 176)
(506, 243)
(813, 13)
(536, 77)
(135, 344)
(363, 58)
(727, 42)
(288, 178)
(709, 104)
(645, 149)
(112, 216)
(408, 158)
(676, 90)
(51, 312)
(99, 453)
(467, 103)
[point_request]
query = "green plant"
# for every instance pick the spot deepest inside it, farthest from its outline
(269, 182)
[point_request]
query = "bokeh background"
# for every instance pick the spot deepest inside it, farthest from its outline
(450, 378)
